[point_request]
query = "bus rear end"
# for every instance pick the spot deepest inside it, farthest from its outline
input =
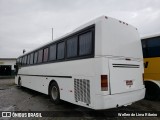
(121, 74)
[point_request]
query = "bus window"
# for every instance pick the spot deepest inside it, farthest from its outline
(52, 52)
(35, 57)
(154, 47)
(25, 59)
(45, 55)
(85, 43)
(60, 52)
(72, 47)
(144, 48)
(31, 58)
(28, 59)
(20, 61)
(40, 56)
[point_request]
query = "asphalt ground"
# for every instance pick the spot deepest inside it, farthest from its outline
(23, 99)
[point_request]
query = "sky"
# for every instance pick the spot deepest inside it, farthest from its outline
(27, 24)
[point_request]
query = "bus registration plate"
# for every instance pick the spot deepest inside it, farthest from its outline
(129, 82)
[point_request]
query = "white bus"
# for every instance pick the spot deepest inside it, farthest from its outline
(98, 65)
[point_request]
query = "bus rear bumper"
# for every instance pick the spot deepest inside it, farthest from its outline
(117, 100)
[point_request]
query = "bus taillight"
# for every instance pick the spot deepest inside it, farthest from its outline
(104, 82)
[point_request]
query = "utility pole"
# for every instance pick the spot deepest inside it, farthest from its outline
(52, 33)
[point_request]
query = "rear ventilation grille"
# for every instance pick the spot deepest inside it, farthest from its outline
(126, 65)
(82, 90)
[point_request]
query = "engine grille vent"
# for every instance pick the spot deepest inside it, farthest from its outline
(82, 90)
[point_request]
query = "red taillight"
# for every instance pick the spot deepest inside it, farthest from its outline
(104, 82)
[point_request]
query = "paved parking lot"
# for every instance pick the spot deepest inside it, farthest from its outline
(14, 99)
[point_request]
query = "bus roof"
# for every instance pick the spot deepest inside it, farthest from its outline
(150, 36)
(94, 21)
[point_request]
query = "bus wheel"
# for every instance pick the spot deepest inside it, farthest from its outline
(152, 91)
(54, 93)
(19, 83)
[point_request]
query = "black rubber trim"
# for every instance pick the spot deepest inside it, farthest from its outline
(46, 76)
(126, 65)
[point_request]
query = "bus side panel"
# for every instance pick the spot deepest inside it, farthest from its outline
(36, 83)
(66, 87)
(75, 90)
(74, 69)
(81, 88)
(152, 68)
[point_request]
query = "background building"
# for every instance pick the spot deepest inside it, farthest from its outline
(7, 66)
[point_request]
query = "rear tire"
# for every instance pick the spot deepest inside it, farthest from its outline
(54, 93)
(152, 91)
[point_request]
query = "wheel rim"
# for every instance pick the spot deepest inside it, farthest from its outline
(54, 92)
